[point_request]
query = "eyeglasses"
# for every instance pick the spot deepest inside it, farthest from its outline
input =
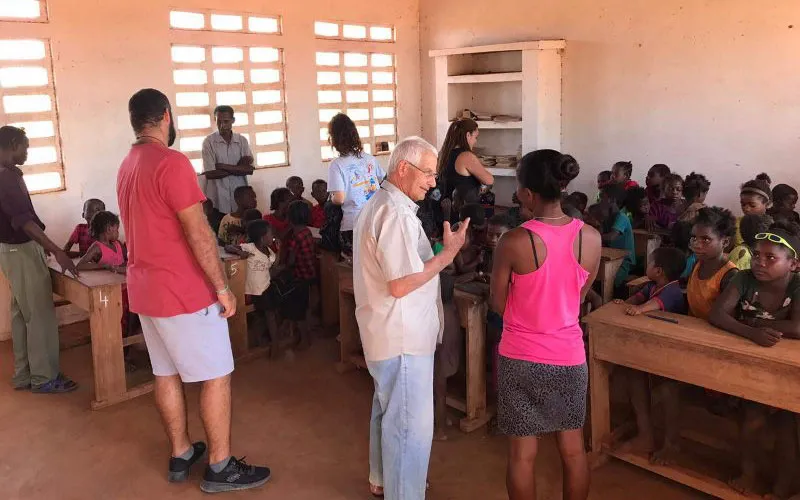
(428, 173)
(779, 240)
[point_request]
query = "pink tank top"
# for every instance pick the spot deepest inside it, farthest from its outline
(541, 318)
(109, 257)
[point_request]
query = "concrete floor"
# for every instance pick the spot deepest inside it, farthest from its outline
(305, 421)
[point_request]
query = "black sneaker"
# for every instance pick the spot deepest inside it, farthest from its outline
(179, 468)
(237, 475)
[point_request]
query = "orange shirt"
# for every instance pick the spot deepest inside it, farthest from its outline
(701, 294)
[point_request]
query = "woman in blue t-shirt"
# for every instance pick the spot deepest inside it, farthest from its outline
(353, 177)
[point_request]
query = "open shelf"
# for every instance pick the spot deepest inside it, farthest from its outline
(515, 76)
(502, 172)
(500, 125)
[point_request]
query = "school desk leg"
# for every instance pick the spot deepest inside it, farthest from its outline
(599, 372)
(237, 324)
(477, 416)
(107, 357)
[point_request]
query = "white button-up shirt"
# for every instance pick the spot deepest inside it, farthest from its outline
(217, 150)
(389, 244)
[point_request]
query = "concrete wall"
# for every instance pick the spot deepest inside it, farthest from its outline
(106, 50)
(710, 86)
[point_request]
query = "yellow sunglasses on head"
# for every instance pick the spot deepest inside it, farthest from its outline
(777, 239)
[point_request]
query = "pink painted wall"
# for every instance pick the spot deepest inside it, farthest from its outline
(711, 86)
(106, 50)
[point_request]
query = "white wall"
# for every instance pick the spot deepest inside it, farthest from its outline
(711, 86)
(104, 51)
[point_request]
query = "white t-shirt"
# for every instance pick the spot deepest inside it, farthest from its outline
(388, 244)
(359, 178)
(258, 265)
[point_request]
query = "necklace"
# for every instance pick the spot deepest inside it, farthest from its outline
(552, 218)
(139, 140)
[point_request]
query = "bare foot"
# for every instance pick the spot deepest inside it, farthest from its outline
(743, 484)
(666, 455)
(377, 491)
(641, 444)
(439, 435)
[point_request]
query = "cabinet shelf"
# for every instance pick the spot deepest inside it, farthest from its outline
(486, 78)
(499, 125)
(502, 172)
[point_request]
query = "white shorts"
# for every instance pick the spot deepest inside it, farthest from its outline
(195, 346)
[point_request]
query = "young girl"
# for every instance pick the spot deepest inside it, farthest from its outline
(279, 203)
(763, 305)
(654, 181)
(750, 226)
(666, 210)
(784, 201)
(540, 277)
(621, 174)
(637, 207)
(756, 198)
(106, 252)
(617, 232)
(695, 189)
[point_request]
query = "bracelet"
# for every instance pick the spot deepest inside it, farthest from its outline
(224, 290)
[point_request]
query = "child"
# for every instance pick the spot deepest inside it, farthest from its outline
(617, 232)
(681, 236)
(260, 261)
(578, 200)
(82, 236)
(666, 210)
(750, 226)
(637, 207)
(319, 191)
(761, 305)
(654, 181)
(603, 178)
(711, 233)
(279, 204)
(213, 215)
(695, 189)
(621, 174)
(299, 260)
(462, 195)
(784, 201)
(471, 255)
(231, 229)
(662, 293)
(295, 185)
(517, 214)
(756, 198)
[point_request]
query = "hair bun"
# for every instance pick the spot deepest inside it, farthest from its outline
(567, 169)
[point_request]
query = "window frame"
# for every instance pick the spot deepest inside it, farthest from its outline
(207, 13)
(340, 36)
(44, 16)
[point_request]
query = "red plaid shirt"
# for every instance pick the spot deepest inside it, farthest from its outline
(302, 246)
(317, 216)
(82, 237)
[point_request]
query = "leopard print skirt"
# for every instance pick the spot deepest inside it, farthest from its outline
(535, 399)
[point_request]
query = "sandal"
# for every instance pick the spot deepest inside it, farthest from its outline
(377, 491)
(58, 385)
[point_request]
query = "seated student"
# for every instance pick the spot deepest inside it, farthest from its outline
(695, 189)
(471, 255)
(260, 261)
(784, 201)
(319, 191)
(462, 195)
(637, 208)
(82, 236)
(755, 197)
(665, 211)
(295, 185)
(654, 181)
(763, 305)
(279, 204)
(614, 194)
(213, 215)
(621, 174)
(517, 214)
(662, 293)
(231, 228)
(749, 227)
(604, 178)
(616, 232)
(681, 236)
(578, 200)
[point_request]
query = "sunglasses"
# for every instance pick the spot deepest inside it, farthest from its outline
(778, 240)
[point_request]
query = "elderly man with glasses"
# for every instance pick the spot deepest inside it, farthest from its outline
(399, 313)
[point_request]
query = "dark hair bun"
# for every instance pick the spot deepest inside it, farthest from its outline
(567, 169)
(764, 177)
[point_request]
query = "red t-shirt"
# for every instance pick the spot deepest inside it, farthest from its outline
(164, 278)
(317, 216)
(278, 225)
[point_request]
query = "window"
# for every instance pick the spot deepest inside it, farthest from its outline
(352, 31)
(29, 101)
(363, 86)
(23, 10)
(247, 77)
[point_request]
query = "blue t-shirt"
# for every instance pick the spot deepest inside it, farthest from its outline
(359, 178)
(691, 260)
(670, 297)
(622, 224)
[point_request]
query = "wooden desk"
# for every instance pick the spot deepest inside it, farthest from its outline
(329, 289)
(472, 312)
(645, 242)
(610, 262)
(693, 352)
(236, 271)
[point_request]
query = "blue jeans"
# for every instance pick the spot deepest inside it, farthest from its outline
(401, 428)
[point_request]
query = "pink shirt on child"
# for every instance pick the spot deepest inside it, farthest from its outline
(540, 323)
(109, 257)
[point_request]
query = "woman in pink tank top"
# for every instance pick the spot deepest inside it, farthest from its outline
(542, 271)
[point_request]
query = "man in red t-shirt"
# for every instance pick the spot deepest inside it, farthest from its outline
(177, 285)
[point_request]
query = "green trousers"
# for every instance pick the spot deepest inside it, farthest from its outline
(34, 327)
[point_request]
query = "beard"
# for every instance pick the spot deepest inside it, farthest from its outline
(172, 132)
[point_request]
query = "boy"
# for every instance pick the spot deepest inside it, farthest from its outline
(654, 181)
(299, 258)
(319, 191)
(662, 293)
(231, 229)
(81, 236)
(295, 185)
